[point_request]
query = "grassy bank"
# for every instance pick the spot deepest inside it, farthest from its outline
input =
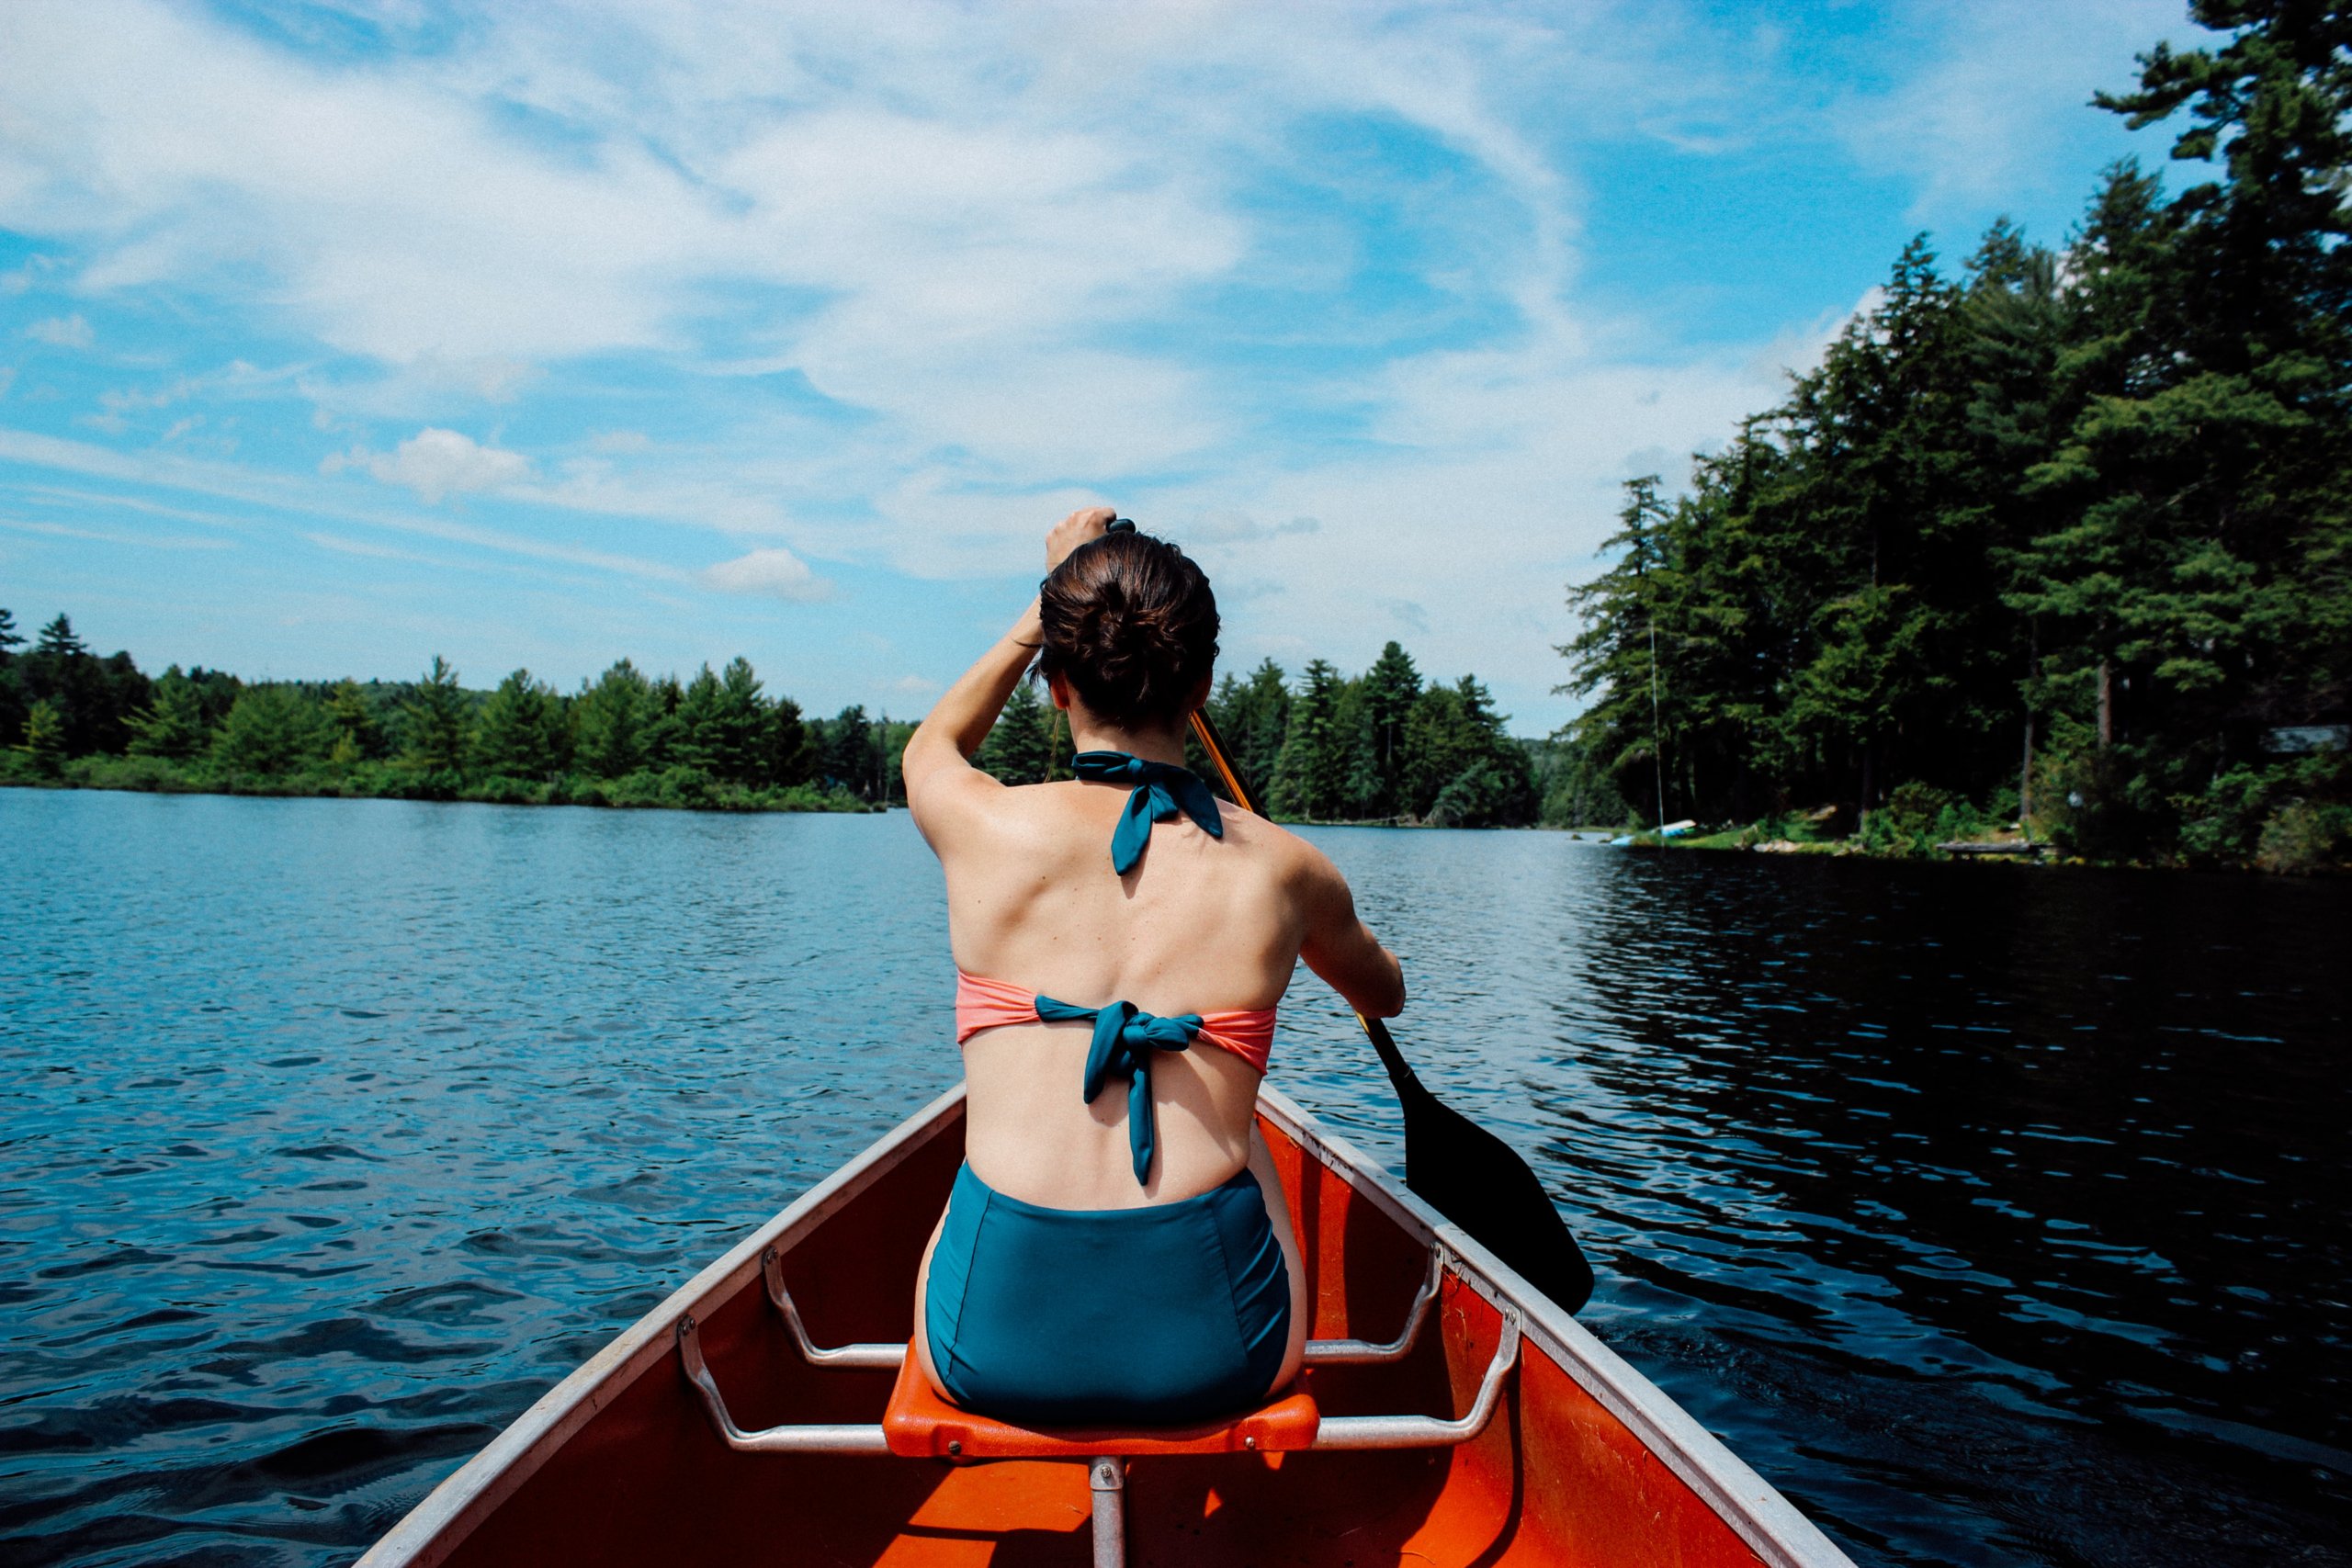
(676, 788)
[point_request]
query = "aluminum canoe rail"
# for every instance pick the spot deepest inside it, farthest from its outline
(1404, 1431)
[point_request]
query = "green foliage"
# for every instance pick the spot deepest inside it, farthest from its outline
(175, 726)
(523, 732)
(359, 735)
(2088, 517)
(1019, 748)
(1312, 774)
(436, 724)
(1253, 716)
(44, 740)
(609, 720)
(274, 730)
(1917, 817)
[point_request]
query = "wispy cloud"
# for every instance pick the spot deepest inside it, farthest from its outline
(114, 536)
(63, 332)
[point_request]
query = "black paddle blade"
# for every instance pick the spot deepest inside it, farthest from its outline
(1479, 1182)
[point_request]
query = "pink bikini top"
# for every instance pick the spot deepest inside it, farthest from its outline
(987, 1004)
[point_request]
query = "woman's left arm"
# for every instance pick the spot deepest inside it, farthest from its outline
(937, 765)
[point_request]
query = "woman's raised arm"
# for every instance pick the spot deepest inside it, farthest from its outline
(937, 764)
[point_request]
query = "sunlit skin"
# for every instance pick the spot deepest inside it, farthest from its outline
(1198, 925)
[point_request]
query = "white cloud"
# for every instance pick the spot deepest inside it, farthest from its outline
(436, 463)
(63, 332)
(777, 573)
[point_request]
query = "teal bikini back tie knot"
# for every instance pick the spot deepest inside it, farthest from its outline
(1162, 791)
(1125, 1037)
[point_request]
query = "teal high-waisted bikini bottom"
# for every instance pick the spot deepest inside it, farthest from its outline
(1164, 1315)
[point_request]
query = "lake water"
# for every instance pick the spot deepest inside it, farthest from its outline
(1995, 1215)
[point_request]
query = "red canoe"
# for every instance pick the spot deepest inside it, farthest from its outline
(762, 1414)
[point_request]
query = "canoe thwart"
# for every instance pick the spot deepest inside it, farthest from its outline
(879, 1357)
(813, 1439)
(1429, 1431)
(1363, 1352)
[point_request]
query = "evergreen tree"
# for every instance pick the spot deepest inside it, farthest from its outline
(521, 733)
(792, 749)
(1616, 656)
(1311, 775)
(357, 735)
(1389, 690)
(1019, 748)
(608, 719)
(44, 740)
(272, 731)
(849, 759)
(173, 727)
(94, 698)
(663, 737)
(437, 723)
(736, 735)
(12, 700)
(1253, 716)
(697, 718)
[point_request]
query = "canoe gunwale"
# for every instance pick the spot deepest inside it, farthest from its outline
(1768, 1522)
(446, 1517)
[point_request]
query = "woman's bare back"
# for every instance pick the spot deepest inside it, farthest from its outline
(1198, 925)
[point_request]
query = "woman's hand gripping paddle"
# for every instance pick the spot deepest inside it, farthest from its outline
(1455, 1165)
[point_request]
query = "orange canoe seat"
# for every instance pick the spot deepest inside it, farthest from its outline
(918, 1424)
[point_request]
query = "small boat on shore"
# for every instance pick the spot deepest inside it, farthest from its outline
(766, 1413)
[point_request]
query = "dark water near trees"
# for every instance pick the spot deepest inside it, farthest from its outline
(1995, 1215)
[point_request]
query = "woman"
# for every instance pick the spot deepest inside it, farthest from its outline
(1116, 1249)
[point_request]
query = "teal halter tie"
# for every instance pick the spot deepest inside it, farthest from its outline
(1125, 1037)
(1162, 791)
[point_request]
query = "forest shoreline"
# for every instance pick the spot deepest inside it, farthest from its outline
(1758, 838)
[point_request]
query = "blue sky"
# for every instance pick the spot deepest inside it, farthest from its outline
(337, 336)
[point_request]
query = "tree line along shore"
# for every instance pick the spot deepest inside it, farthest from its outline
(1383, 746)
(2064, 540)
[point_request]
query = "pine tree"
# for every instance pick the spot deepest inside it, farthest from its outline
(737, 738)
(521, 732)
(849, 759)
(437, 723)
(272, 731)
(357, 736)
(607, 720)
(1311, 776)
(1019, 748)
(44, 741)
(1390, 688)
(174, 726)
(791, 750)
(1253, 716)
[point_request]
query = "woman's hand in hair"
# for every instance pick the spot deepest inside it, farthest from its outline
(1078, 528)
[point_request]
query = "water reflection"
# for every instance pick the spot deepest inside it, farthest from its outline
(1993, 1215)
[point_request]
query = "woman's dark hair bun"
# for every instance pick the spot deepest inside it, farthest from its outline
(1131, 624)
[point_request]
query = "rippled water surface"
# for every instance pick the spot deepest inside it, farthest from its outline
(1995, 1215)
